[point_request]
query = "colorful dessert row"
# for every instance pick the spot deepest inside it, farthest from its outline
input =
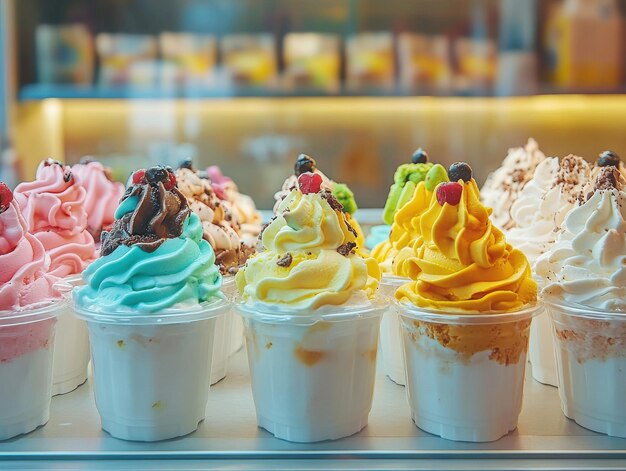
(456, 299)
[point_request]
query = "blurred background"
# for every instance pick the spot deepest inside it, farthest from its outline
(357, 84)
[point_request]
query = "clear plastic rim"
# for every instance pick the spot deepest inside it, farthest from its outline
(40, 313)
(585, 312)
(394, 280)
(202, 312)
(469, 317)
(267, 313)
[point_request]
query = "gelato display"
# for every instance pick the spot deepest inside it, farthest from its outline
(29, 304)
(504, 185)
(102, 196)
(311, 322)
(54, 206)
(537, 218)
(465, 317)
(150, 302)
(585, 290)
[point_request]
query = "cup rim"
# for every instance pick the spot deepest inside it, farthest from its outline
(469, 317)
(582, 311)
(272, 314)
(394, 280)
(39, 312)
(206, 310)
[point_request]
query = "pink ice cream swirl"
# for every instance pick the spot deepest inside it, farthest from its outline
(103, 195)
(54, 209)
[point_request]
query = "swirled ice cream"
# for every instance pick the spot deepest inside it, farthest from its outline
(540, 209)
(24, 278)
(587, 264)
(154, 257)
(309, 258)
(340, 191)
(461, 261)
(102, 196)
(241, 206)
(220, 228)
(54, 209)
(502, 187)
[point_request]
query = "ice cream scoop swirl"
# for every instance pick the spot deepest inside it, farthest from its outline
(461, 261)
(310, 258)
(24, 264)
(54, 209)
(587, 265)
(155, 257)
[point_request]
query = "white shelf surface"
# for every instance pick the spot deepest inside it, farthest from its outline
(230, 439)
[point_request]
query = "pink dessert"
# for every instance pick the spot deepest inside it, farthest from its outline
(24, 280)
(103, 195)
(54, 209)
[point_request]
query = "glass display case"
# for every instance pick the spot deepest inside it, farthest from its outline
(248, 85)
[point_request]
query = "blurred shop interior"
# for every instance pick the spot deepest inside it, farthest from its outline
(358, 84)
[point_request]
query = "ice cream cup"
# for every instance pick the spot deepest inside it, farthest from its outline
(390, 332)
(541, 350)
(591, 366)
(151, 372)
(312, 372)
(465, 371)
(71, 347)
(26, 352)
(230, 290)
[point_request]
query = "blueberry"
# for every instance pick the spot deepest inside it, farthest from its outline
(460, 171)
(304, 164)
(608, 159)
(186, 163)
(419, 156)
(156, 174)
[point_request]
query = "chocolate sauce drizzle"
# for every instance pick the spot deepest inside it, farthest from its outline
(159, 215)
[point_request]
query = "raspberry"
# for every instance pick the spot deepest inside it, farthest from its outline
(310, 183)
(138, 176)
(6, 196)
(449, 193)
(171, 181)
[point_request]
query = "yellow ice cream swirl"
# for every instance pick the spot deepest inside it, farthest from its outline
(404, 231)
(310, 257)
(461, 261)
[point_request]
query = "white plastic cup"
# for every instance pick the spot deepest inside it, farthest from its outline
(26, 352)
(151, 372)
(391, 333)
(221, 347)
(541, 350)
(465, 372)
(229, 288)
(312, 373)
(591, 366)
(71, 347)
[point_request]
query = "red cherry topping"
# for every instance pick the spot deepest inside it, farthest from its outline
(171, 181)
(138, 176)
(449, 193)
(310, 182)
(6, 196)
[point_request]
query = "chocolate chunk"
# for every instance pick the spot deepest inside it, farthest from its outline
(607, 180)
(285, 261)
(351, 229)
(346, 249)
(332, 201)
(156, 174)
(304, 164)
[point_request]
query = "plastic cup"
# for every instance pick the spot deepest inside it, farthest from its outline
(71, 347)
(26, 352)
(591, 366)
(541, 350)
(151, 372)
(312, 373)
(237, 336)
(390, 332)
(465, 372)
